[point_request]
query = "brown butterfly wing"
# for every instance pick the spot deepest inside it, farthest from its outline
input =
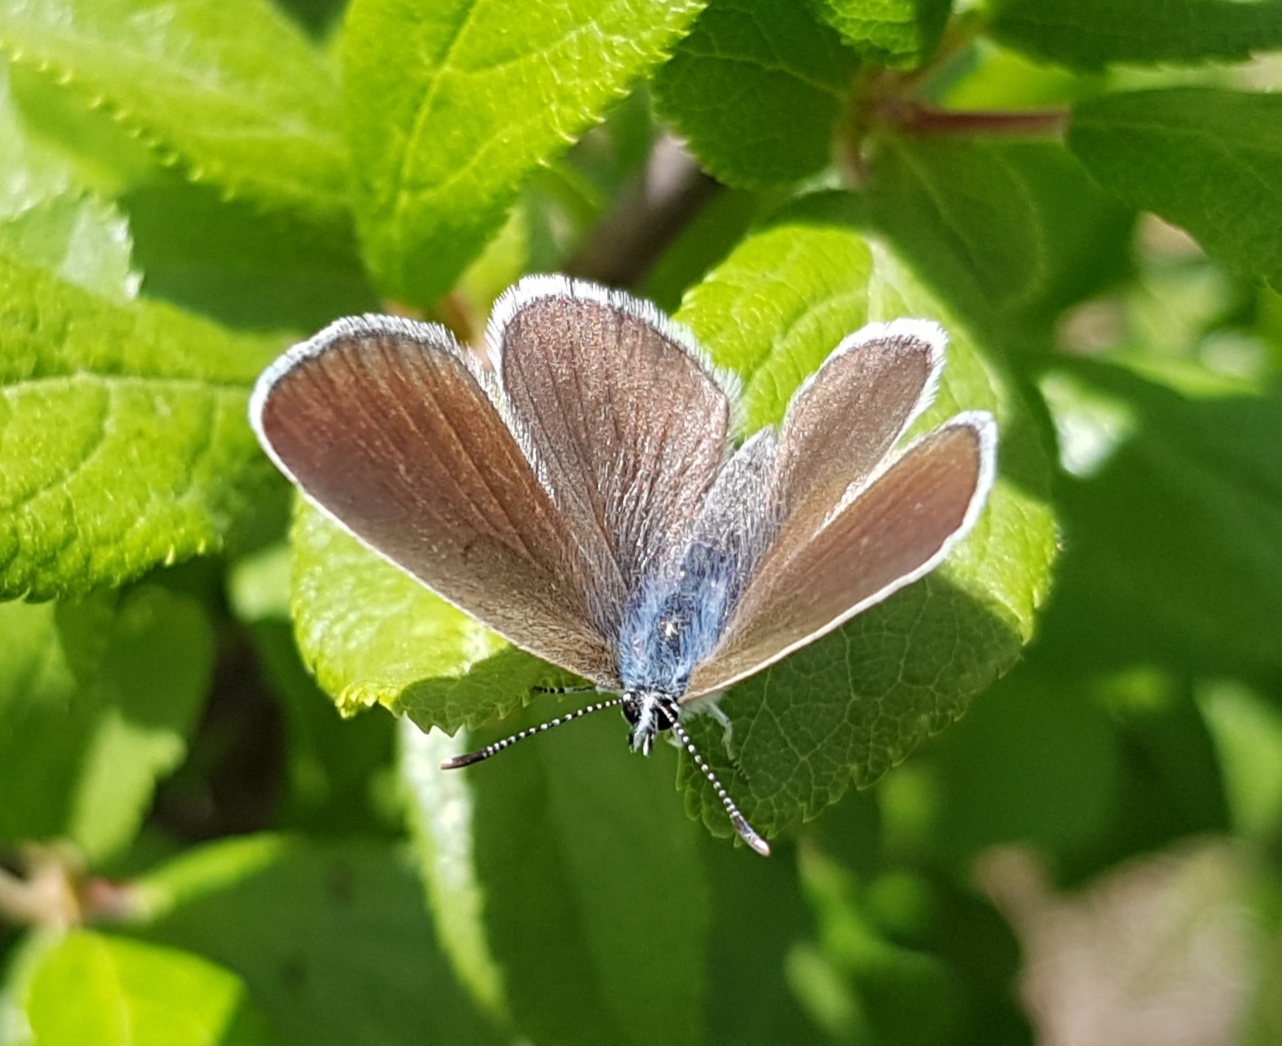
(896, 530)
(624, 420)
(384, 425)
(841, 424)
(835, 438)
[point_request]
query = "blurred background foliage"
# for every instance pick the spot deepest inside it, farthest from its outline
(195, 847)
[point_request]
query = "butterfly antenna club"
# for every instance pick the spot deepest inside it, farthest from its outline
(746, 832)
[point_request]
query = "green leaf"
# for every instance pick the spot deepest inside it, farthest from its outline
(230, 260)
(1207, 160)
(772, 312)
(848, 707)
(96, 703)
(439, 813)
(1000, 79)
(106, 158)
(95, 990)
(123, 441)
(900, 34)
(258, 585)
(1088, 34)
(47, 727)
(22, 962)
(78, 237)
(231, 89)
(1248, 736)
(757, 89)
(206, 872)
(451, 106)
(49, 219)
(1007, 232)
(1175, 555)
(775, 308)
(332, 940)
(570, 835)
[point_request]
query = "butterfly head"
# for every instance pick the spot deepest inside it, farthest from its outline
(649, 712)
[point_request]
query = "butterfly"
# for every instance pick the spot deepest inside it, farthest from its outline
(582, 495)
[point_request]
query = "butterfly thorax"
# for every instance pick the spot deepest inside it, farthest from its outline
(673, 621)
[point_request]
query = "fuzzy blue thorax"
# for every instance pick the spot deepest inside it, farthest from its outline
(674, 621)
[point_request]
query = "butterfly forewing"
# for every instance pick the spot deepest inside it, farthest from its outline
(896, 530)
(383, 425)
(625, 425)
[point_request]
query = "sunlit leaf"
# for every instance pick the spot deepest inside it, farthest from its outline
(123, 441)
(451, 106)
(229, 88)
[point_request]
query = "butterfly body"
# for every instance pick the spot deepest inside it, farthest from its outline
(584, 499)
(673, 622)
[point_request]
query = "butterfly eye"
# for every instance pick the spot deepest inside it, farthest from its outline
(666, 714)
(631, 707)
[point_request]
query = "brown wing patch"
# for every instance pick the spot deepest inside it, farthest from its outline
(389, 432)
(892, 533)
(844, 421)
(625, 426)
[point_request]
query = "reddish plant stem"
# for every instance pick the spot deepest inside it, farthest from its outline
(922, 119)
(885, 104)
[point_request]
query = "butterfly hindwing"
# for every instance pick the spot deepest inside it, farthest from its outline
(851, 523)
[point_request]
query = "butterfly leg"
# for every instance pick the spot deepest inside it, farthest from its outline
(707, 705)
